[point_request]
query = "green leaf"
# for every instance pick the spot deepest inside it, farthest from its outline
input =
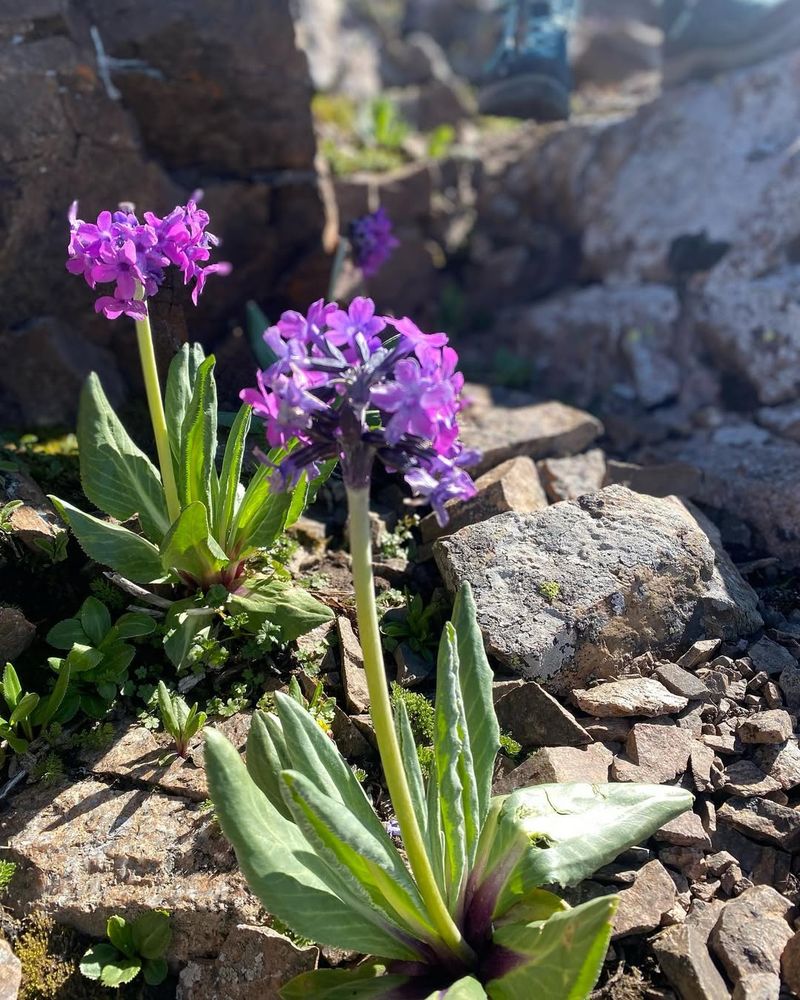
(12, 689)
(112, 545)
(184, 624)
(82, 658)
(229, 480)
(180, 380)
(560, 957)
(366, 982)
(24, 707)
(155, 971)
(120, 934)
(475, 680)
(116, 974)
(46, 711)
(96, 958)
(257, 324)
(467, 988)
(116, 660)
(292, 609)
(347, 846)
(199, 440)
(456, 777)
(189, 546)
(408, 752)
(266, 758)
(274, 857)
(134, 624)
(561, 834)
(95, 620)
(152, 933)
(66, 633)
(165, 707)
(261, 516)
(116, 475)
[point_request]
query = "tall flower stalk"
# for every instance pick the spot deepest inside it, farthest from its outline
(347, 393)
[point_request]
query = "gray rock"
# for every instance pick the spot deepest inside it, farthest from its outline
(671, 479)
(774, 726)
(630, 696)
(570, 478)
(254, 963)
(536, 719)
(642, 907)
(354, 677)
(790, 964)
(631, 574)
(763, 820)
(686, 830)
(781, 762)
(512, 485)
(10, 972)
(752, 932)
(699, 652)
(16, 633)
(745, 778)
(789, 682)
(770, 656)
(657, 754)
(781, 420)
(682, 953)
(759, 986)
(559, 764)
(681, 682)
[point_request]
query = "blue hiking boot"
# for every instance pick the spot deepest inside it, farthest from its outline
(706, 37)
(530, 76)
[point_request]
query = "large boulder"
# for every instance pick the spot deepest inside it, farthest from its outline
(145, 102)
(570, 593)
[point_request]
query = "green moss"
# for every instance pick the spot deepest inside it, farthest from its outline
(549, 590)
(334, 109)
(7, 869)
(509, 745)
(49, 955)
(421, 716)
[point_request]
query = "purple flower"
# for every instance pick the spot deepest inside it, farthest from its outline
(133, 256)
(372, 241)
(341, 392)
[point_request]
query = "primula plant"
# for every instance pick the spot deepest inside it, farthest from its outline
(28, 713)
(199, 525)
(181, 722)
(464, 912)
(131, 948)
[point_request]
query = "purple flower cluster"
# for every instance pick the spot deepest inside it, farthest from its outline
(343, 390)
(372, 241)
(133, 255)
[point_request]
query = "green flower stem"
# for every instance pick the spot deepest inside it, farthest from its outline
(337, 265)
(383, 720)
(144, 338)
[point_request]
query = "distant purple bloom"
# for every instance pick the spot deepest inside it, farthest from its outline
(133, 256)
(372, 241)
(344, 393)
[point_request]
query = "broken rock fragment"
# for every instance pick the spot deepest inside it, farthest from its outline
(630, 696)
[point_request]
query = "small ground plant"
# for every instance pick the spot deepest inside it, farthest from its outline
(139, 946)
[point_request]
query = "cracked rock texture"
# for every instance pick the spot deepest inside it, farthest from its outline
(633, 573)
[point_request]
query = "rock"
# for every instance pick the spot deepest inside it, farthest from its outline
(763, 820)
(564, 594)
(671, 479)
(348, 738)
(752, 932)
(781, 762)
(630, 696)
(10, 972)
(760, 986)
(513, 485)
(781, 420)
(591, 344)
(747, 473)
(559, 764)
(699, 652)
(658, 754)
(790, 964)
(789, 682)
(570, 478)
(254, 963)
(682, 953)
(535, 719)
(701, 760)
(685, 830)
(86, 850)
(537, 430)
(642, 907)
(36, 520)
(774, 726)
(16, 633)
(354, 677)
(745, 778)
(771, 657)
(681, 682)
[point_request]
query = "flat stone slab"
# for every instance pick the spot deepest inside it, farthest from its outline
(563, 595)
(536, 719)
(629, 696)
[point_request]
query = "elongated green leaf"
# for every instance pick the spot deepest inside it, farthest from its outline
(197, 477)
(112, 545)
(467, 988)
(274, 857)
(261, 516)
(265, 762)
(408, 752)
(155, 971)
(180, 380)
(475, 679)
(12, 689)
(560, 957)
(292, 609)
(434, 840)
(184, 625)
(189, 547)
(366, 982)
(95, 620)
(561, 834)
(116, 475)
(256, 325)
(231, 474)
(456, 778)
(373, 864)
(83, 658)
(24, 707)
(46, 710)
(120, 934)
(133, 624)
(152, 934)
